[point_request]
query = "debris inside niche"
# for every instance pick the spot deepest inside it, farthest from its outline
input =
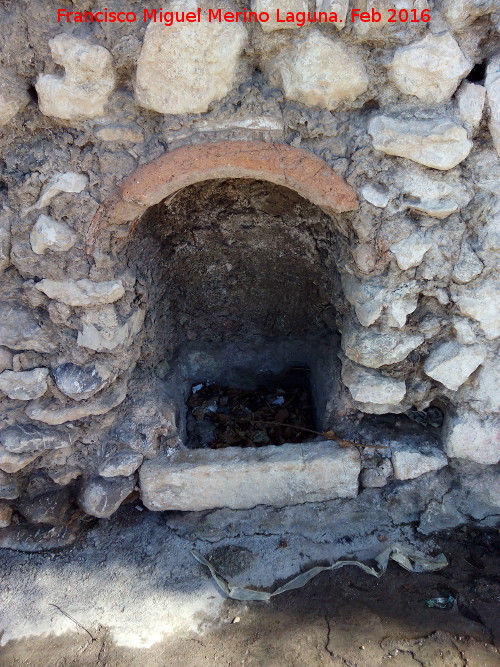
(278, 411)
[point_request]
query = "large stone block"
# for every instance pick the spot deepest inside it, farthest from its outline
(438, 143)
(430, 69)
(192, 480)
(451, 363)
(185, 67)
(318, 71)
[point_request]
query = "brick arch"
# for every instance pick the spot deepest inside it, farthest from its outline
(281, 164)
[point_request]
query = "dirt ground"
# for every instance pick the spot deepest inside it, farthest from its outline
(340, 618)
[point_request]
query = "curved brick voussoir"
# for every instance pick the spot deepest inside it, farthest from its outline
(281, 164)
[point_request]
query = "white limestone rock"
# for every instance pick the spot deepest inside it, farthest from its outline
(374, 349)
(48, 234)
(270, 6)
(82, 292)
(318, 71)
(13, 96)
(468, 436)
(492, 84)
(88, 80)
(410, 251)
(452, 364)
(241, 478)
(102, 497)
(121, 464)
(438, 143)
(471, 98)
(367, 298)
(376, 195)
(21, 330)
(101, 331)
(376, 477)
(434, 197)
(185, 67)
(409, 462)
(460, 14)
(399, 309)
(370, 386)
(69, 181)
(463, 330)
(468, 265)
(484, 392)
(430, 69)
(126, 134)
(480, 303)
(24, 385)
(340, 7)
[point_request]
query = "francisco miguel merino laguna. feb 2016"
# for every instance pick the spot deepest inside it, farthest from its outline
(168, 18)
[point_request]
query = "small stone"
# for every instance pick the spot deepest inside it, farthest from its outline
(468, 436)
(433, 197)
(5, 515)
(439, 209)
(410, 251)
(10, 486)
(20, 330)
(438, 143)
(410, 463)
(5, 247)
(48, 234)
(14, 462)
(13, 96)
(51, 507)
(480, 303)
(6, 357)
(468, 266)
(440, 515)
(27, 438)
(206, 72)
(35, 539)
(81, 382)
(340, 7)
(121, 464)
(102, 497)
(271, 7)
(82, 292)
(24, 385)
(376, 195)
(318, 71)
(460, 14)
(70, 182)
(367, 298)
(492, 84)
(373, 349)
(88, 80)
(430, 69)
(464, 332)
(471, 99)
(376, 478)
(452, 364)
(102, 333)
(399, 309)
(126, 134)
(51, 412)
(370, 386)
(240, 478)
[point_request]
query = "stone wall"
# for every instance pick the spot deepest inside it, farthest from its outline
(392, 130)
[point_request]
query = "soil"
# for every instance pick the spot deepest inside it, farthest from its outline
(344, 618)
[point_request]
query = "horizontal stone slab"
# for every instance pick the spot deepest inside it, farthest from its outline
(241, 478)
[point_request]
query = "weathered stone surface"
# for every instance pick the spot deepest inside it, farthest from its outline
(409, 463)
(492, 84)
(82, 292)
(438, 143)
(399, 309)
(23, 438)
(431, 196)
(34, 539)
(468, 436)
(102, 497)
(376, 477)
(370, 386)
(129, 134)
(24, 385)
(440, 515)
(376, 195)
(460, 14)
(101, 331)
(10, 486)
(13, 462)
(484, 394)
(478, 495)
(206, 72)
(48, 234)
(5, 514)
(480, 303)
(20, 330)
(464, 331)
(367, 298)
(468, 265)
(81, 382)
(340, 7)
(430, 69)
(451, 363)
(192, 480)
(86, 85)
(270, 6)
(373, 349)
(471, 98)
(6, 357)
(318, 71)
(121, 464)
(69, 181)
(13, 96)
(5, 247)
(51, 412)
(51, 507)
(410, 251)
